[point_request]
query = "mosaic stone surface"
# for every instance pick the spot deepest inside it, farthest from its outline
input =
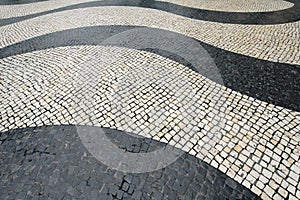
(274, 83)
(148, 103)
(263, 42)
(236, 6)
(51, 162)
(290, 14)
(18, 2)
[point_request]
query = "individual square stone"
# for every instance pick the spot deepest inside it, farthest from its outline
(267, 173)
(283, 192)
(260, 185)
(256, 190)
(291, 189)
(265, 196)
(269, 191)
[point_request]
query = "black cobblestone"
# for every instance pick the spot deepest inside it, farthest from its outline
(273, 17)
(272, 82)
(18, 2)
(69, 171)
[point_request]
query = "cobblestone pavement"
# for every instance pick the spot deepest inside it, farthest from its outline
(277, 43)
(51, 162)
(149, 100)
(236, 6)
(233, 15)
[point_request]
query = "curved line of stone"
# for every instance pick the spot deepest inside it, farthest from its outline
(107, 152)
(29, 9)
(264, 18)
(274, 82)
(61, 144)
(269, 120)
(259, 143)
(263, 42)
(19, 2)
(235, 6)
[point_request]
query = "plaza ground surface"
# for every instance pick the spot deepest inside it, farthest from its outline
(149, 99)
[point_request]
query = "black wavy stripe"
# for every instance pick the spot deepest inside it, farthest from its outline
(18, 2)
(273, 17)
(272, 82)
(51, 162)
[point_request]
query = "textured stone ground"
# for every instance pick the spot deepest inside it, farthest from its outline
(236, 6)
(149, 100)
(51, 162)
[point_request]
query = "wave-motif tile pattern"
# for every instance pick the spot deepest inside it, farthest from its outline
(263, 42)
(55, 164)
(143, 92)
(264, 18)
(18, 2)
(253, 142)
(274, 83)
(9, 11)
(236, 6)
